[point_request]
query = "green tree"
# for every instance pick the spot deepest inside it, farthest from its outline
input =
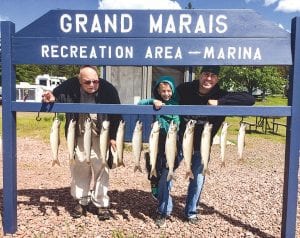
(27, 73)
(266, 78)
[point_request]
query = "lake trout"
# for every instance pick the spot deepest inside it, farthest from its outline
(223, 141)
(241, 140)
(71, 140)
(153, 147)
(187, 148)
(137, 145)
(104, 141)
(120, 142)
(87, 139)
(171, 149)
(55, 140)
(205, 147)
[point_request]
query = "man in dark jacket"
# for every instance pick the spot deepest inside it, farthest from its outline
(204, 91)
(88, 88)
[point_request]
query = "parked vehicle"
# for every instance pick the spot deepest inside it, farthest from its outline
(33, 92)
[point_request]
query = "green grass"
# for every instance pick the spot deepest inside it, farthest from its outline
(273, 101)
(28, 126)
(270, 101)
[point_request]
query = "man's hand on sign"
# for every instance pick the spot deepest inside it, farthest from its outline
(48, 97)
(213, 102)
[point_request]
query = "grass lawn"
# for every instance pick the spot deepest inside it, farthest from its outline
(28, 126)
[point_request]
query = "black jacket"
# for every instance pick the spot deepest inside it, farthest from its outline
(189, 95)
(69, 92)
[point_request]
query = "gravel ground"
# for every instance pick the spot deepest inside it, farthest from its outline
(242, 199)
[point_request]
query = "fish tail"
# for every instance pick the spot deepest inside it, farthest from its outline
(170, 176)
(153, 173)
(240, 156)
(189, 174)
(121, 164)
(205, 172)
(54, 162)
(223, 164)
(71, 161)
(137, 167)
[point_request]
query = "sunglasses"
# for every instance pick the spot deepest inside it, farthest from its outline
(88, 82)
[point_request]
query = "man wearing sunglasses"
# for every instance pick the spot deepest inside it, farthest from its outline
(88, 88)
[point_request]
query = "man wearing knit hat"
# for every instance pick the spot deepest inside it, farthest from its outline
(204, 91)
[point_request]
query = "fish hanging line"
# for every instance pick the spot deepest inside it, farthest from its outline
(38, 118)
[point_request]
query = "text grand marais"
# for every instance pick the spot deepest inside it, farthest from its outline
(163, 23)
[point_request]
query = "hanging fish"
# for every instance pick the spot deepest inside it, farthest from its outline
(187, 148)
(104, 141)
(171, 149)
(55, 140)
(223, 141)
(241, 140)
(137, 145)
(71, 140)
(120, 142)
(205, 147)
(153, 147)
(87, 139)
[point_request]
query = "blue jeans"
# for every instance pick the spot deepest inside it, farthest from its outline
(195, 186)
(165, 203)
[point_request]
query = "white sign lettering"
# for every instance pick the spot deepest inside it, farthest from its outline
(112, 23)
(187, 24)
(160, 52)
(87, 52)
(232, 53)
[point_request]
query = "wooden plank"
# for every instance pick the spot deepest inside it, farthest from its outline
(8, 132)
(148, 110)
(291, 168)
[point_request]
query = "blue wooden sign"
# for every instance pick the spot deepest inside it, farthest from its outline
(132, 37)
(151, 37)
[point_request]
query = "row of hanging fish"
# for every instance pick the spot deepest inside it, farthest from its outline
(87, 141)
(137, 144)
(187, 146)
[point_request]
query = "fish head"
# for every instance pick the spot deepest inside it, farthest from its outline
(105, 124)
(207, 127)
(56, 122)
(191, 124)
(225, 127)
(243, 126)
(173, 126)
(73, 122)
(88, 123)
(122, 124)
(138, 125)
(156, 126)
